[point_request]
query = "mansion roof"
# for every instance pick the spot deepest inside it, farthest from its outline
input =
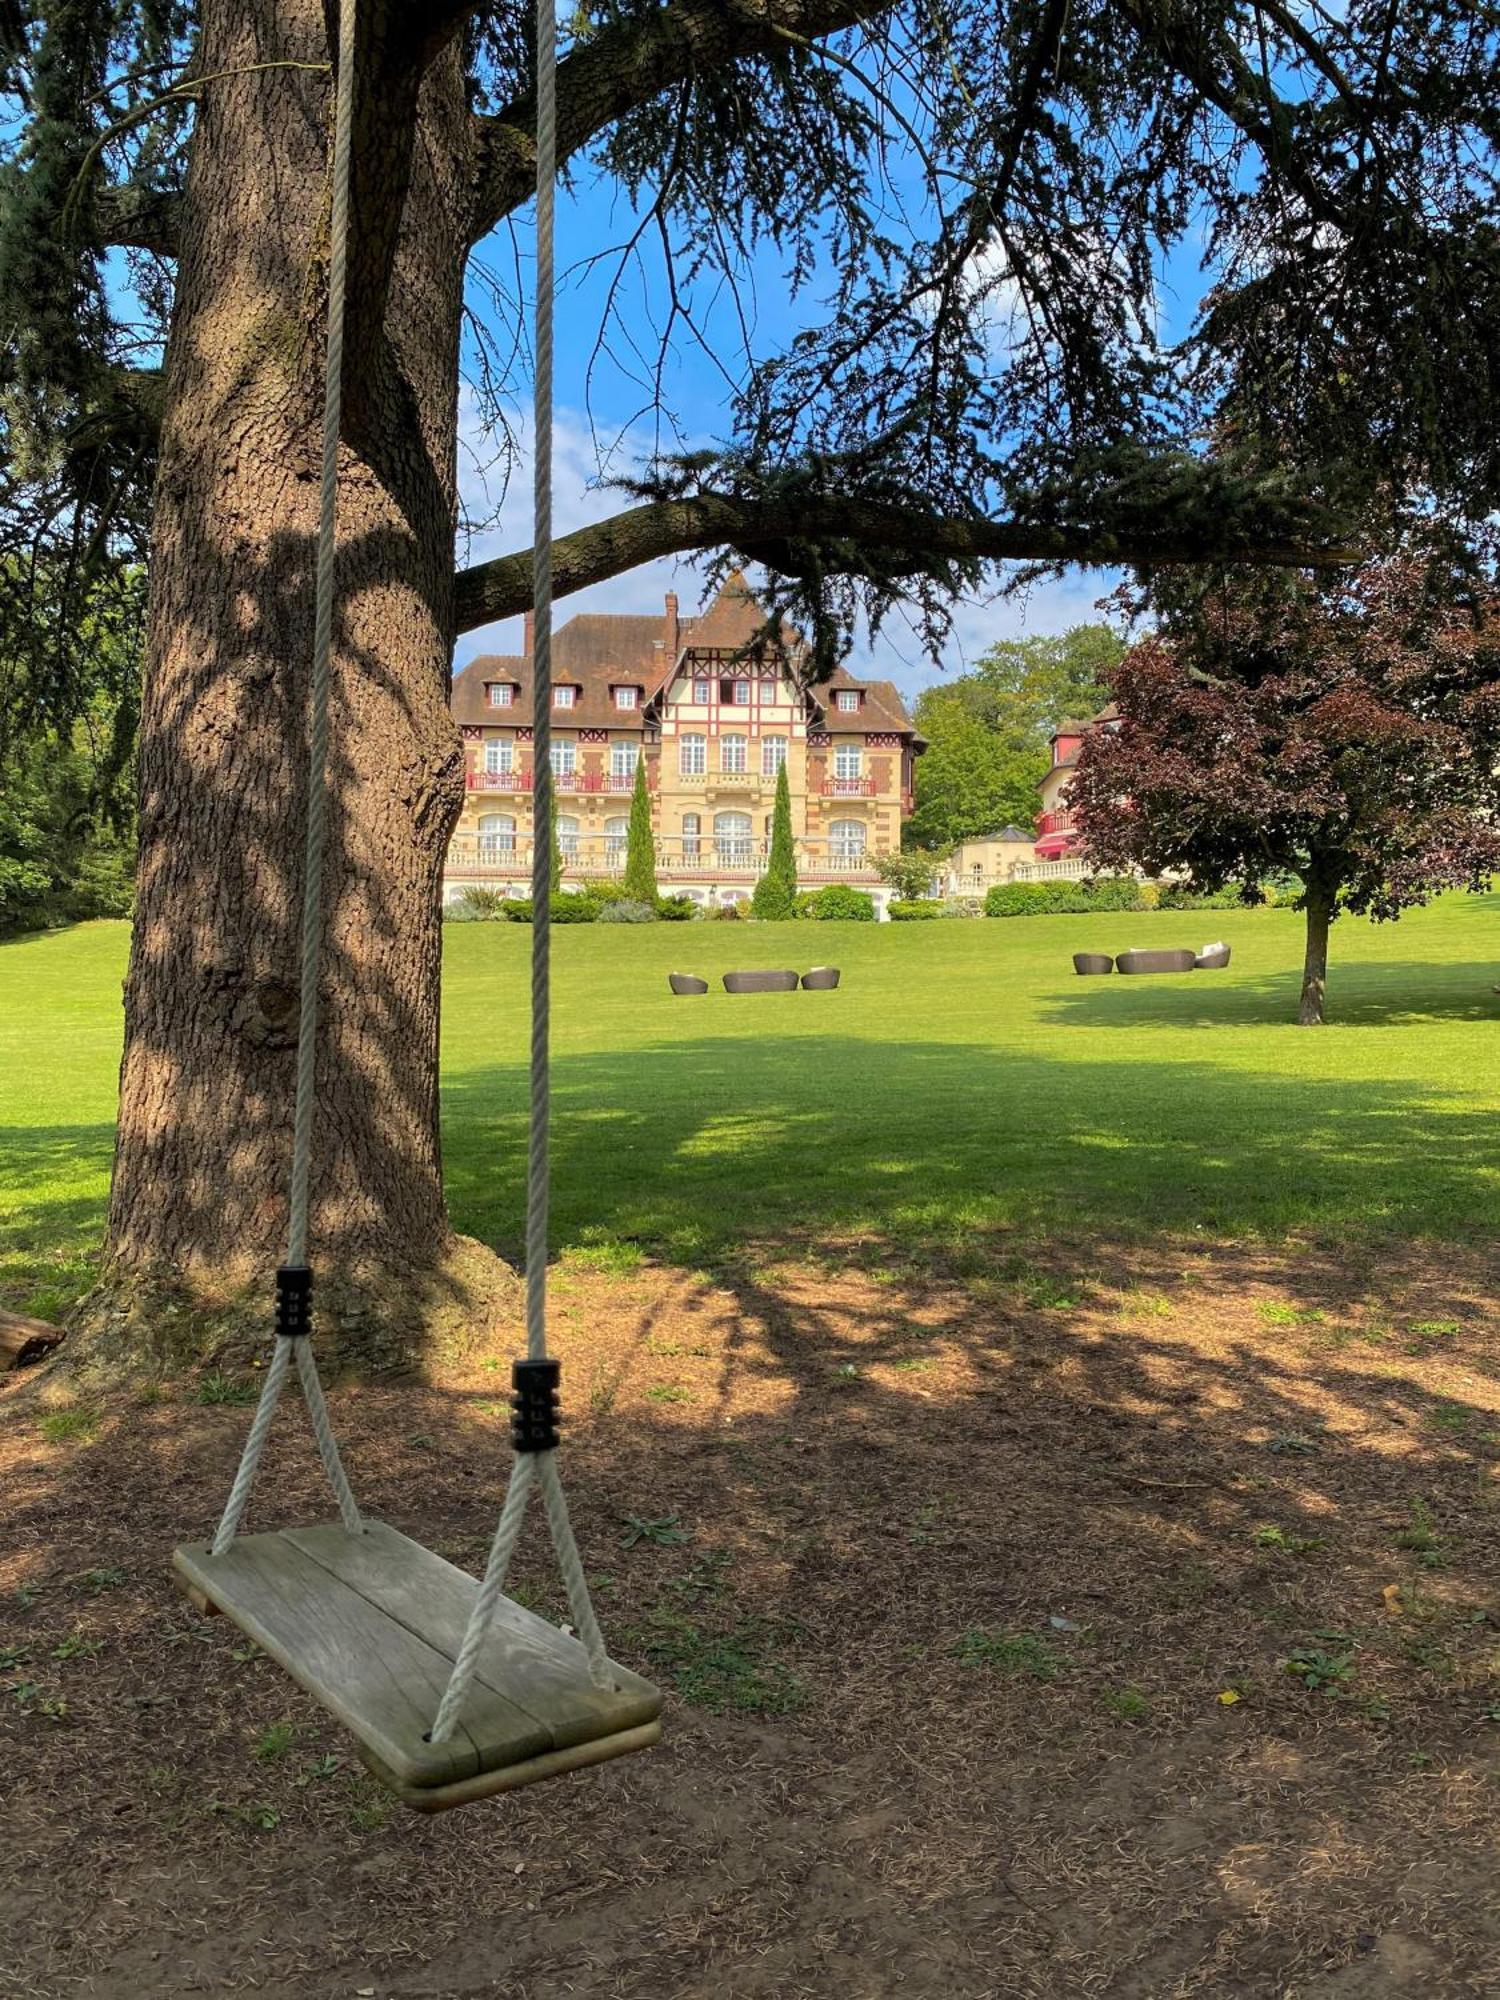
(598, 652)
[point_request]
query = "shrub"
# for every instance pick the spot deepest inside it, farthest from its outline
(483, 905)
(1183, 896)
(910, 910)
(838, 903)
(566, 909)
(627, 911)
(458, 912)
(725, 913)
(676, 909)
(1149, 894)
(1113, 892)
(963, 906)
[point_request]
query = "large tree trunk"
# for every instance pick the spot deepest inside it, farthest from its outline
(1319, 902)
(211, 999)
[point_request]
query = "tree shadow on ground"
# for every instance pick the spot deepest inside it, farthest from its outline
(692, 1148)
(963, 1579)
(1360, 994)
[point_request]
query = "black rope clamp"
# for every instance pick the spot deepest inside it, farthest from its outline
(535, 1412)
(294, 1289)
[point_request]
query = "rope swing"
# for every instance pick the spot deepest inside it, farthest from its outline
(453, 1691)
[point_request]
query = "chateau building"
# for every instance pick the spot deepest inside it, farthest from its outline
(715, 711)
(1053, 849)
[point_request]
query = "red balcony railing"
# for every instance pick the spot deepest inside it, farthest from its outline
(848, 788)
(1055, 822)
(498, 781)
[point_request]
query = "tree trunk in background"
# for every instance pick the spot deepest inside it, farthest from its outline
(1319, 906)
(211, 999)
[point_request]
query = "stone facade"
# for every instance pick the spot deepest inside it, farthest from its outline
(715, 709)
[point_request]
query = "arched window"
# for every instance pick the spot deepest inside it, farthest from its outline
(567, 836)
(732, 840)
(846, 843)
(616, 834)
(692, 827)
(732, 755)
(497, 836)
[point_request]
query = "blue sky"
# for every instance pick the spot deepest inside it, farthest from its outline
(604, 424)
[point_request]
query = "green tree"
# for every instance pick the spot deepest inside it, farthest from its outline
(775, 897)
(640, 844)
(988, 731)
(910, 872)
(969, 780)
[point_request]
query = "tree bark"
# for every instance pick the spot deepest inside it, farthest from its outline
(211, 998)
(1319, 903)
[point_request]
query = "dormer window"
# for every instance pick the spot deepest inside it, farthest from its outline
(501, 694)
(563, 697)
(847, 699)
(626, 697)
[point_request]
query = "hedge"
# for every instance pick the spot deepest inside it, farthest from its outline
(837, 904)
(910, 910)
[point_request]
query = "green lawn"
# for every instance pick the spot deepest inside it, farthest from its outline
(961, 1082)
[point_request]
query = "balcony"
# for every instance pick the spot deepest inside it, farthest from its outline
(1055, 822)
(679, 858)
(848, 788)
(498, 781)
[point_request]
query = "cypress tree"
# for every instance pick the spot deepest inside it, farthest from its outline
(775, 897)
(640, 845)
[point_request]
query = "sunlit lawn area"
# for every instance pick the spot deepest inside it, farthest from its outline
(961, 1082)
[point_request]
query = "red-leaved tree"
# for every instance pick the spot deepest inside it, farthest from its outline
(1346, 732)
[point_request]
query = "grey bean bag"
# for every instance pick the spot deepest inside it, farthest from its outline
(1212, 958)
(686, 982)
(1092, 961)
(1156, 961)
(760, 982)
(822, 979)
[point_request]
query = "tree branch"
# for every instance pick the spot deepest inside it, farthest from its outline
(628, 65)
(502, 588)
(133, 216)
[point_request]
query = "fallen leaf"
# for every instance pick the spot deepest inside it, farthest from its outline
(1229, 1697)
(1392, 1595)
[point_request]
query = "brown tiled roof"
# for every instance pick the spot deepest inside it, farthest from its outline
(598, 651)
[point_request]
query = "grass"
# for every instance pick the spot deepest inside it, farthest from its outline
(962, 1084)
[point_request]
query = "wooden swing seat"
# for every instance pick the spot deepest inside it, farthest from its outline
(370, 1624)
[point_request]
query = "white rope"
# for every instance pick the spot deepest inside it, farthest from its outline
(315, 842)
(536, 1467)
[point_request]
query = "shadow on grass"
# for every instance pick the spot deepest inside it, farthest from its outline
(1360, 994)
(691, 1149)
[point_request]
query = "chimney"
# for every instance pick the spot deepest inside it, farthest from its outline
(671, 626)
(528, 637)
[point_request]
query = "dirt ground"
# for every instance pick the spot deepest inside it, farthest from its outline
(1124, 1625)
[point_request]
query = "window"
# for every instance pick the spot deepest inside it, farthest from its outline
(701, 692)
(562, 697)
(623, 758)
(692, 756)
(564, 759)
(732, 755)
(626, 697)
(847, 760)
(741, 695)
(692, 826)
(567, 836)
(502, 694)
(497, 757)
(497, 836)
(846, 842)
(848, 700)
(732, 841)
(616, 837)
(772, 755)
